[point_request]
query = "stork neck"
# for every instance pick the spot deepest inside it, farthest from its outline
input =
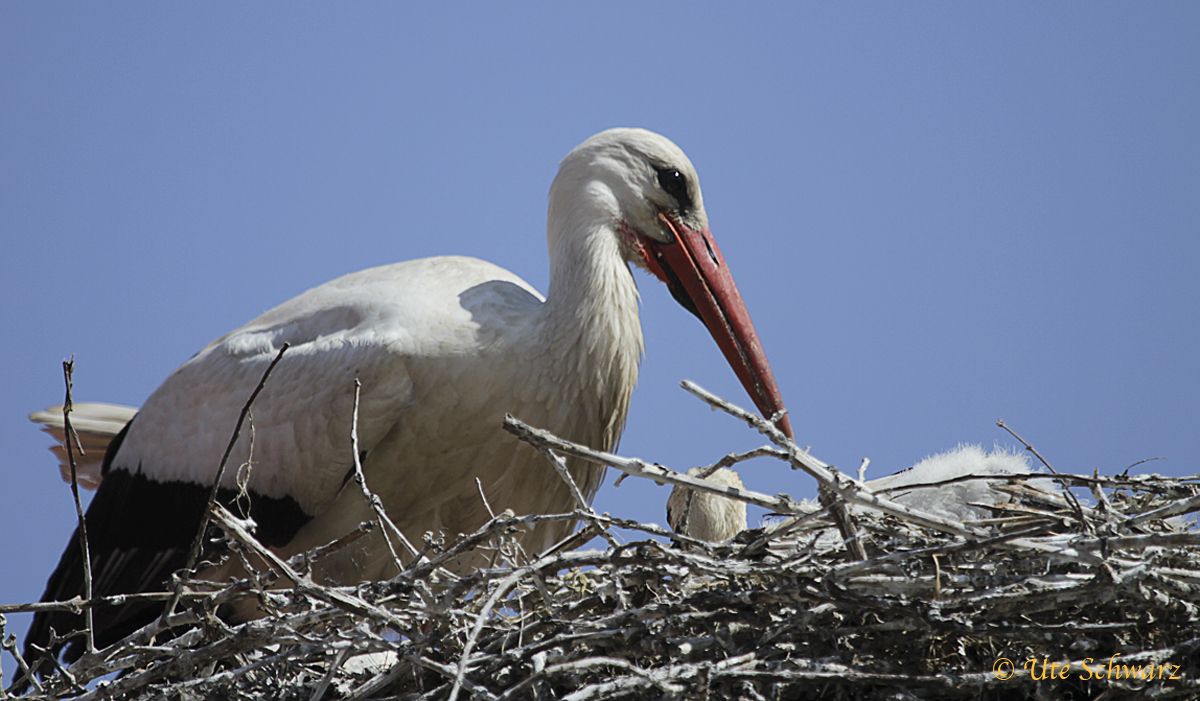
(590, 341)
(592, 290)
(591, 322)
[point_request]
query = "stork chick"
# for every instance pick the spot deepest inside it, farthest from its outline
(705, 516)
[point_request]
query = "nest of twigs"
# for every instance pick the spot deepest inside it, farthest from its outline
(1080, 587)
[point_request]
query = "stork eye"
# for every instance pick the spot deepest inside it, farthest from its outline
(675, 185)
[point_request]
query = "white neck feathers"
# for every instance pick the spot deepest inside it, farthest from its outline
(591, 329)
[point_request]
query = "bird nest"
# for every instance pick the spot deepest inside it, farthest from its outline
(1074, 586)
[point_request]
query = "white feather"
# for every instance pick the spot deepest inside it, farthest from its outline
(707, 516)
(444, 348)
(960, 501)
(918, 488)
(95, 424)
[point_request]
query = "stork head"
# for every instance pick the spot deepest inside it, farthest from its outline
(645, 191)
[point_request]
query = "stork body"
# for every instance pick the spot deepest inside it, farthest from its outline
(443, 349)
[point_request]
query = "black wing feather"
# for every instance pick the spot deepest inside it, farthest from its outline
(139, 531)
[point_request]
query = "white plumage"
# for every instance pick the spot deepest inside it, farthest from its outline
(443, 348)
(716, 518)
(959, 501)
(95, 424)
(705, 516)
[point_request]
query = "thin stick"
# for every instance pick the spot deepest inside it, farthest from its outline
(686, 521)
(339, 660)
(729, 460)
(829, 480)
(79, 604)
(846, 488)
(483, 498)
(373, 501)
(1075, 505)
(72, 442)
(10, 644)
(560, 466)
(498, 593)
(538, 437)
(1101, 498)
(198, 541)
(1176, 509)
(330, 595)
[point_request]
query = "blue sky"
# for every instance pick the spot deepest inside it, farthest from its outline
(939, 214)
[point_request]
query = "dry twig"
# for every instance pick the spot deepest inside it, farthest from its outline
(779, 613)
(198, 540)
(72, 444)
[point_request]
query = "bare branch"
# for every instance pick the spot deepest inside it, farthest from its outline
(72, 443)
(387, 527)
(777, 612)
(198, 540)
(1075, 505)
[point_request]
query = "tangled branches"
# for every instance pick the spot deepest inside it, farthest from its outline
(1106, 587)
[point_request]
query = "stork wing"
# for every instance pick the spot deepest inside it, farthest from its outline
(291, 459)
(382, 327)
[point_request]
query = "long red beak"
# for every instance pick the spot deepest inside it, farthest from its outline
(694, 270)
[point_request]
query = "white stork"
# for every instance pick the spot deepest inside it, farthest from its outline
(704, 515)
(443, 347)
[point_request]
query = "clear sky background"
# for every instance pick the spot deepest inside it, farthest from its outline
(939, 214)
